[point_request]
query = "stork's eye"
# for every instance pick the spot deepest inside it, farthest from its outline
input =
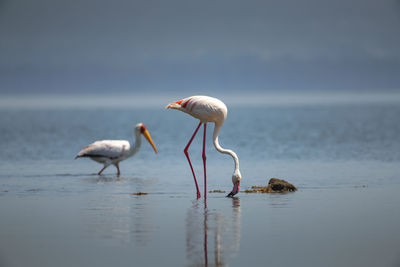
(142, 128)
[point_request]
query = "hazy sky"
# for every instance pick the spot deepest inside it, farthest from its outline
(130, 45)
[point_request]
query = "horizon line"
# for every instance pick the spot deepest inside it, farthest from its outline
(143, 100)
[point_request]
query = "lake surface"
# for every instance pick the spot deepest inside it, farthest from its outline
(342, 155)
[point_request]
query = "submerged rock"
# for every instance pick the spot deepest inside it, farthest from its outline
(256, 189)
(216, 191)
(274, 186)
(139, 193)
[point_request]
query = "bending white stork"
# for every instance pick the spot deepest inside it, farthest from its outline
(208, 109)
(113, 152)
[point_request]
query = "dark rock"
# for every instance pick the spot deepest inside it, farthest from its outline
(279, 186)
(274, 186)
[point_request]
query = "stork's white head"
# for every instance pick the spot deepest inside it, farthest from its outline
(236, 177)
(141, 129)
(138, 127)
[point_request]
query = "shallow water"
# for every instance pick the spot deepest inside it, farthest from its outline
(55, 211)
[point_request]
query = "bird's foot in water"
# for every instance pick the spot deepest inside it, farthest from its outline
(231, 194)
(235, 190)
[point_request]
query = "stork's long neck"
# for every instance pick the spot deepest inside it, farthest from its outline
(217, 128)
(138, 142)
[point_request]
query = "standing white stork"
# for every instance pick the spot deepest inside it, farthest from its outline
(208, 109)
(113, 152)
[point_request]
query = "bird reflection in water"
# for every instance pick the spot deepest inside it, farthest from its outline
(212, 236)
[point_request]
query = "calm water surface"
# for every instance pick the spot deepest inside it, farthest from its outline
(55, 211)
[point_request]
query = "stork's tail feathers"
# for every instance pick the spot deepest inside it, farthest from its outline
(83, 152)
(85, 155)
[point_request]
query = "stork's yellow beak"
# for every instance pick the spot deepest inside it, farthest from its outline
(146, 135)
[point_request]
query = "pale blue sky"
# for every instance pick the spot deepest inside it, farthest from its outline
(209, 46)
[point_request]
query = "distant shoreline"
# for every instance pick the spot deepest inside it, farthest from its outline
(88, 101)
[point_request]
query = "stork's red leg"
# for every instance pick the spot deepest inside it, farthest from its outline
(118, 173)
(102, 170)
(190, 163)
(204, 160)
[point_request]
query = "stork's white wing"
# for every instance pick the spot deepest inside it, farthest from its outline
(105, 148)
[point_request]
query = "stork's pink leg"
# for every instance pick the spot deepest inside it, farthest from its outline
(205, 235)
(204, 160)
(102, 170)
(190, 163)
